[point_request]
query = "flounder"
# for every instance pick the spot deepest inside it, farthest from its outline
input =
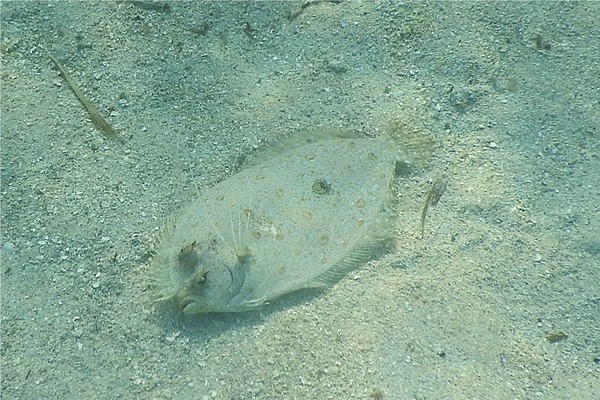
(295, 219)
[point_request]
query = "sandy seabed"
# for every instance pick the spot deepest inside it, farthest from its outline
(499, 300)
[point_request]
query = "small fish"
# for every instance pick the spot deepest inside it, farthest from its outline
(99, 122)
(433, 197)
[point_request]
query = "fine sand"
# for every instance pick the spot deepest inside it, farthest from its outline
(499, 300)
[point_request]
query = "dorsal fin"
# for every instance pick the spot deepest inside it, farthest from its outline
(262, 155)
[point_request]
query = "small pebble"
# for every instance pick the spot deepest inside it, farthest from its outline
(8, 248)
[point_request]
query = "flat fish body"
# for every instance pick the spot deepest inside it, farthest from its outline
(299, 219)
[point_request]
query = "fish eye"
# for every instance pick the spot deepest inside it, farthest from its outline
(201, 279)
(188, 258)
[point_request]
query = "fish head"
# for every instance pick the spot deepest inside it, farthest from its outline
(207, 277)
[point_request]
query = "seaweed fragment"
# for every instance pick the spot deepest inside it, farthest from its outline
(158, 6)
(540, 42)
(249, 30)
(299, 10)
(97, 120)
(555, 337)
